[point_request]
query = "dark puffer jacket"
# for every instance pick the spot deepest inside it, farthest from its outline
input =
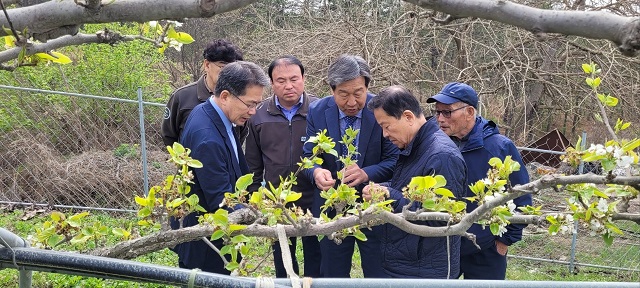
(481, 144)
(431, 152)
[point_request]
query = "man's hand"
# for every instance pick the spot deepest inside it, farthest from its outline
(502, 248)
(353, 175)
(323, 179)
(375, 189)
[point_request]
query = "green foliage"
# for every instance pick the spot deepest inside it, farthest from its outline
(125, 151)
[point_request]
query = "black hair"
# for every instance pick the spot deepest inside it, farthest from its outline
(394, 100)
(238, 76)
(223, 51)
(285, 60)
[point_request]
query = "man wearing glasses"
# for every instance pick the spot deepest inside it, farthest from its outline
(479, 140)
(216, 55)
(209, 134)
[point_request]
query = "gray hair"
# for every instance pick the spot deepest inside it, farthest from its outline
(236, 77)
(346, 68)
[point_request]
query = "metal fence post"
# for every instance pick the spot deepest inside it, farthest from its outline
(143, 143)
(574, 239)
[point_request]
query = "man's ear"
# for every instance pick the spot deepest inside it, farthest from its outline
(408, 115)
(224, 95)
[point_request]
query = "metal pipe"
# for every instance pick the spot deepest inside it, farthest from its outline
(92, 266)
(12, 241)
(68, 206)
(541, 150)
(79, 95)
(576, 263)
(143, 143)
(103, 267)
(574, 236)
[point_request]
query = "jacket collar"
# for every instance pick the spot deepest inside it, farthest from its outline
(481, 130)
(303, 110)
(203, 92)
(426, 130)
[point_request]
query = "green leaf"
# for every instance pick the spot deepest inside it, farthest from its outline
(611, 101)
(554, 228)
(602, 98)
(79, 239)
(596, 82)
(359, 235)
(495, 228)
(217, 234)
(231, 266)
(444, 192)
(54, 240)
(121, 232)
(236, 227)
(608, 239)
(144, 212)
(226, 249)
(244, 181)
(294, 196)
(586, 68)
(495, 162)
(57, 216)
(239, 238)
(613, 228)
(76, 220)
(631, 145)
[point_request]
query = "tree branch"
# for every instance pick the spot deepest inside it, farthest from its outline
(50, 15)
(105, 37)
(623, 31)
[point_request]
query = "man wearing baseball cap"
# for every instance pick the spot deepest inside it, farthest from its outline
(479, 140)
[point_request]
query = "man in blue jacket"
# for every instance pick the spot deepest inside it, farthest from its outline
(424, 150)
(479, 140)
(210, 136)
(349, 78)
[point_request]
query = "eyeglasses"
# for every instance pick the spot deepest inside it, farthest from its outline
(221, 65)
(446, 113)
(249, 106)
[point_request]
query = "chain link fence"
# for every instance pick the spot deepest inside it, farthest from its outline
(84, 152)
(76, 150)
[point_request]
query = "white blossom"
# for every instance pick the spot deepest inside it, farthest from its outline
(603, 205)
(625, 161)
(511, 205)
(503, 229)
(153, 24)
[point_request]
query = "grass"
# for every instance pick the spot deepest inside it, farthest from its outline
(624, 253)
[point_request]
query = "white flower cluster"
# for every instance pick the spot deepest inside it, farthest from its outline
(615, 151)
(566, 224)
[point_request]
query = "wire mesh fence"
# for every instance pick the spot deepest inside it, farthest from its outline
(77, 150)
(84, 152)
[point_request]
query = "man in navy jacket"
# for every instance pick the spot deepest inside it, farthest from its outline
(479, 140)
(349, 78)
(210, 136)
(424, 151)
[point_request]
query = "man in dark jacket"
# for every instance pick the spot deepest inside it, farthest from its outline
(210, 136)
(479, 140)
(217, 54)
(274, 146)
(424, 150)
(349, 78)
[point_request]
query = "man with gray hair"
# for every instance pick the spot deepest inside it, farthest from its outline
(349, 77)
(209, 134)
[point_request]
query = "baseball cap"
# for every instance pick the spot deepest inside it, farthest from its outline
(454, 92)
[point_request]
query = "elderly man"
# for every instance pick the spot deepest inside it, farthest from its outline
(479, 140)
(349, 78)
(210, 136)
(424, 150)
(274, 147)
(217, 54)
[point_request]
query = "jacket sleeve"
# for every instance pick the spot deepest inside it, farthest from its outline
(514, 231)
(383, 171)
(253, 155)
(307, 148)
(213, 177)
(170, 121)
